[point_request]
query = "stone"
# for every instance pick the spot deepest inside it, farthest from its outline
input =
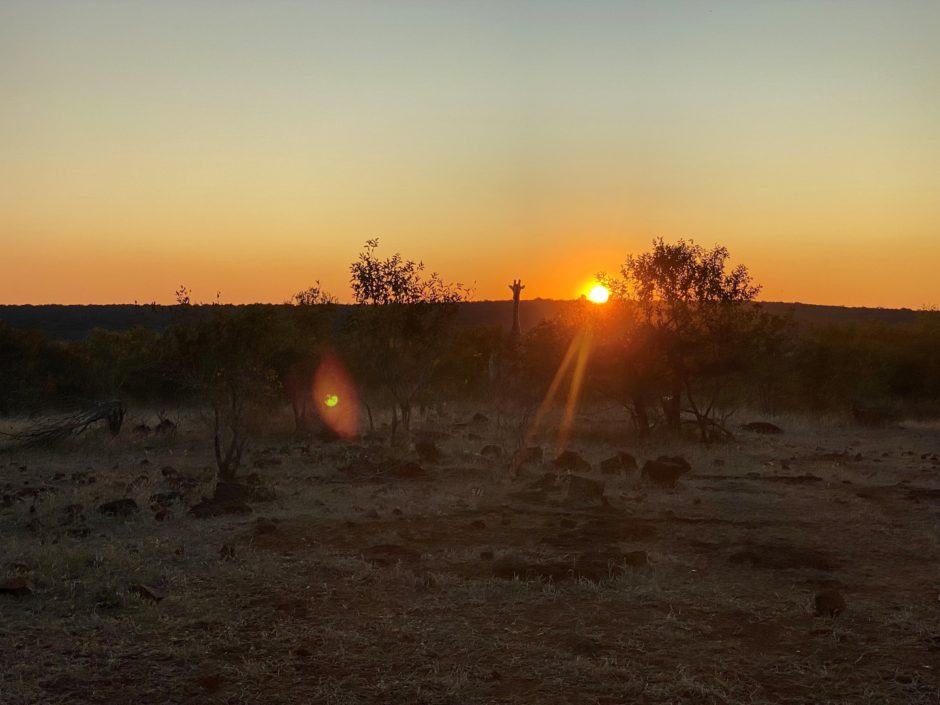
(17, 586)
(165, 427)
(428, 451)
(763, 427)
(71, 513)
(491, 451)
(231, 493)
(164, 499)
(146, 592)
(264, 525)
(583, 491)
(570, 460)
(664, 471)
(829, 603)
(622, 462)
(386, 555)
(119, 507)
(527, 456)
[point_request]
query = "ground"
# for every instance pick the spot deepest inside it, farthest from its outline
(366, 580)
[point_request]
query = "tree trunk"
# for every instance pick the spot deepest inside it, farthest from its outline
(672, 407)
(405, 422)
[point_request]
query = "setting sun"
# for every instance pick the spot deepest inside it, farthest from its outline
(598, 294)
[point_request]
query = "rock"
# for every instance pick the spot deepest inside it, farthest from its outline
(676, 460)
(208, 508)
(265, 526)
(491, 451)
(231, 493)
(636, 559)
(164, 499)
(622, 462)
(407, 471)
(119, 507)
(428, 452)
(665, 471)
(782, 556)
(527, 456)
(570, 460)
(146, 592)
(71, 513)
(829, 603)
(165, 427)
(583, 491)
(763, 427)
(210, 683)
(385, 555)
(262, 493)
(17, 586)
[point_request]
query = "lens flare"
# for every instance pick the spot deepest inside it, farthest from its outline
(338, 404)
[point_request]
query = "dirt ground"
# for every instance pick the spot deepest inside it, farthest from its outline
(366, 578)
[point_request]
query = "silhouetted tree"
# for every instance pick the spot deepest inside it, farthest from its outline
(314, 296)
(695, 320)
(401, 326)
(226, 360)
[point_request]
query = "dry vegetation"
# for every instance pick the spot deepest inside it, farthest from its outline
(369, 581)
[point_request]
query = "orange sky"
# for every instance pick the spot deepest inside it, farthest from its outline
(251, 148)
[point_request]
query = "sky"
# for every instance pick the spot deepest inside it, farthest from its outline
(251, 148)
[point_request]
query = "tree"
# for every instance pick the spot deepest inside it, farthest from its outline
(314, 296)
(695, 321)
(400, 327)
(225, 358)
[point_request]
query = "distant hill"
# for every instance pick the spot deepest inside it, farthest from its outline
(60, 322)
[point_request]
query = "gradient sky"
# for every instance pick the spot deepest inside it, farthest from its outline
(252, 147)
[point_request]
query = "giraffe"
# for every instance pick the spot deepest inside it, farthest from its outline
(503, 360)
(516, 288)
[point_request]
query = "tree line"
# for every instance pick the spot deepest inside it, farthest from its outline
(681, 344)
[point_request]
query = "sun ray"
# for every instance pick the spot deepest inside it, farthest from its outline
(574, 391)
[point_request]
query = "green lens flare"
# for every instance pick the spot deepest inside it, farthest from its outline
(331, 400)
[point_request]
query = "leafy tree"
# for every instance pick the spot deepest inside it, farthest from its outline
(314, 296)
(400, 328)
(695, 322)
(226, 360)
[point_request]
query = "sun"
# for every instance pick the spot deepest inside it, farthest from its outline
(598, 294)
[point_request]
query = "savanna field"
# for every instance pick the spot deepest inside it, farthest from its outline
(793, 567)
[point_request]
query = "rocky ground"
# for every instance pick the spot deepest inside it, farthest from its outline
(799, 567)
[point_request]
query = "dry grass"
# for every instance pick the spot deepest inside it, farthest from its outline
(310, 611)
